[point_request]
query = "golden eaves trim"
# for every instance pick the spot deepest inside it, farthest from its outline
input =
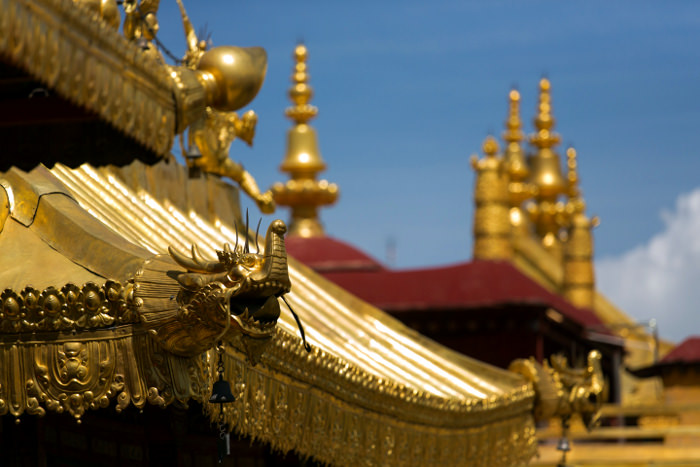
(87, 62)
(295, 415)
(360, 388)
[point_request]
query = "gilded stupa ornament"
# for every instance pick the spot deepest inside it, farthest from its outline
(546, 175)
(579, 272)
(303, 193)
(492, 230)
(516, 166)
(215, 130)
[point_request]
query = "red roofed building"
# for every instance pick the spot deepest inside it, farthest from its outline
(680, 367)
(488, 308)
(680, 372)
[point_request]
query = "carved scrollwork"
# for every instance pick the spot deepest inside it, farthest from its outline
(72, 376)
(70, 308)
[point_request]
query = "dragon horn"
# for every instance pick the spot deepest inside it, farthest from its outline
(193, 265)
(235, 227)
(197, 255)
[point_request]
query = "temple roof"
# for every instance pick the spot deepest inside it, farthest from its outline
(684, 355)
(477, 284)
(330, 255)
(471, 285)
(365, 368)
(687, 351)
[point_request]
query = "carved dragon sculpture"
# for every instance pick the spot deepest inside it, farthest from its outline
(232, 297)
(561, 391)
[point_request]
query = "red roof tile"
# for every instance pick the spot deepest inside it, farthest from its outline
(328, 254)
(687, 351)
(477, 284)
(470, 285)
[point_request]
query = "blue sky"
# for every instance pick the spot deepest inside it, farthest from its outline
(407, 91)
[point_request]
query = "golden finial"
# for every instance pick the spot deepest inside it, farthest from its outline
(514, 158)
(301, 91)
(492, 240)
(514, 132)
(303, 193)
(490, 146)
(572, 174)
(546, 172)
(579, 278)
(516, 167)
(544, 121)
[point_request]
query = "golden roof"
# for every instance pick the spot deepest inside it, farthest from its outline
(368, 378)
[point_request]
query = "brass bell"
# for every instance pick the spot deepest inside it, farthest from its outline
(564, 445)
(221, 392)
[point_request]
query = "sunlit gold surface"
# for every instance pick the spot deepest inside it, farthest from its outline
(238, 73)
(492, 230)
(545, 174)
(370, 390)
(233, 297)
(579, 273)
(303, 193)
(125, 301)
(92, 65)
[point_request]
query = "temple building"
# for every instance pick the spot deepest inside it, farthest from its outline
(530, 283)
(145, 321)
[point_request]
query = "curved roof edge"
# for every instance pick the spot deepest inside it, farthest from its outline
(371, 389)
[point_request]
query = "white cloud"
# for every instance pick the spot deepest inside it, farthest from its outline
(661, 279)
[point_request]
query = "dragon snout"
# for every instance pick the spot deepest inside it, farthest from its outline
(279, 227)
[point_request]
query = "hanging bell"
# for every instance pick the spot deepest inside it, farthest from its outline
(563, 445)
(221, 392)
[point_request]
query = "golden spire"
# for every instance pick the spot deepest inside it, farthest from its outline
(513, 136)
(579, 276)
(546, 170)
(515, 164)
(492, 239)
(303, 193)
(546, 176)
(572, 174)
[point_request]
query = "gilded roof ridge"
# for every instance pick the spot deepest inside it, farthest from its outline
(25, 190)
